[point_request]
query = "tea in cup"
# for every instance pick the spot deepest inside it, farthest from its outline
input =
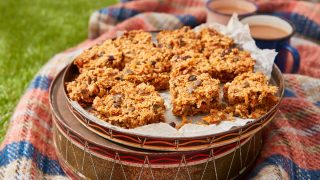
(272, 32)
(221, 11)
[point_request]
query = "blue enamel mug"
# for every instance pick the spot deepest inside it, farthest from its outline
(272, 32)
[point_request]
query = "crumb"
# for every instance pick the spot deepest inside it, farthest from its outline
(183, 122)
(218, 115)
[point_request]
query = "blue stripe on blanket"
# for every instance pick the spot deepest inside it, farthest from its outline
(17, 150)
(119, 14)
(293, 170)
(289, 93)
(123, 1)
(41, 82)
(303, 24)
(188, 20)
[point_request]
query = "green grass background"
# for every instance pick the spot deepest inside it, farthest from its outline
(31, 32)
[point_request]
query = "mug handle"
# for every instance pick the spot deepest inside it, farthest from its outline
(295, 55)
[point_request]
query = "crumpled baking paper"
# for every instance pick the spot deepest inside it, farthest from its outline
(240, 33)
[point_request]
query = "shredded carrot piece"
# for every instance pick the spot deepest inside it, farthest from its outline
(183, 122)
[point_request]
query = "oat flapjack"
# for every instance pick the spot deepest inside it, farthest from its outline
(179, 40)
(228, 63)
(92, 83)
(119, 79)
(211, 40)
(190, 63)
(250, 95)
(130, 106)
(192, 94)
(152, 67)
(105, 55)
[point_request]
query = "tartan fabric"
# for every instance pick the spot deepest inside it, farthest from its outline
(291, 142)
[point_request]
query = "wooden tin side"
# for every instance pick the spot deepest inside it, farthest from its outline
(84, 154)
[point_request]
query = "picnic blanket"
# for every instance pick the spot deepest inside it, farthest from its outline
(291, 142)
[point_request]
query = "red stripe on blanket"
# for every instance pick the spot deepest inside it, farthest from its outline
(300, 109)
(30, 119)
(281, 128)
(179, 6)
(32, 122)
(35, 100)
(37, 111)
(85, 44)
(294, 133)
(310, 64)
(302, 159)
(304, 8)
(132, 24)
(167, 6)
(26, 125)
(300, 143)
(294, 84)
(141, 6)
(184, 3)
(290, 147)
(33, 94)
(45, 146)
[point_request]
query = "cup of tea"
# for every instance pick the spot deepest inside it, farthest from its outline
(221, 11)
(272, 32)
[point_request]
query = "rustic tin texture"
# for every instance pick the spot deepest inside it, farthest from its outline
(181, 143)
(83, 154)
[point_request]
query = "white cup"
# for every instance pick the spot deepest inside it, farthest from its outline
(280, 43)
(220, 11)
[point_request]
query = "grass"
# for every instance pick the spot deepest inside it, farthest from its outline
(31, 32)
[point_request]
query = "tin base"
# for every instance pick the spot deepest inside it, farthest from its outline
(83, 154)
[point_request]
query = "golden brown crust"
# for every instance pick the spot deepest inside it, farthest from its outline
(151, 67)
(179, 40)
(134, 37)
(120, 78)
(105, 55)
(130, 106)
(92, 83)
(250, 95)
(193, 94)
(190, 63)
(212, 40)
(228, 63)
(133, 43)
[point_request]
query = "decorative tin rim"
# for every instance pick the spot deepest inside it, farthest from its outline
(190, 158)
(237, 129)
(136, 161)
(78, 138)
(210, 156)
(173, 143)
(182, 145)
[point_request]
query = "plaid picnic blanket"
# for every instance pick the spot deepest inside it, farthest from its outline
(291, 142)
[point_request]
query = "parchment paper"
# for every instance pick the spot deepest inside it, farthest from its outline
(241, 35)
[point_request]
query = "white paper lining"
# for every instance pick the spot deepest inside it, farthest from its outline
(241, 35)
